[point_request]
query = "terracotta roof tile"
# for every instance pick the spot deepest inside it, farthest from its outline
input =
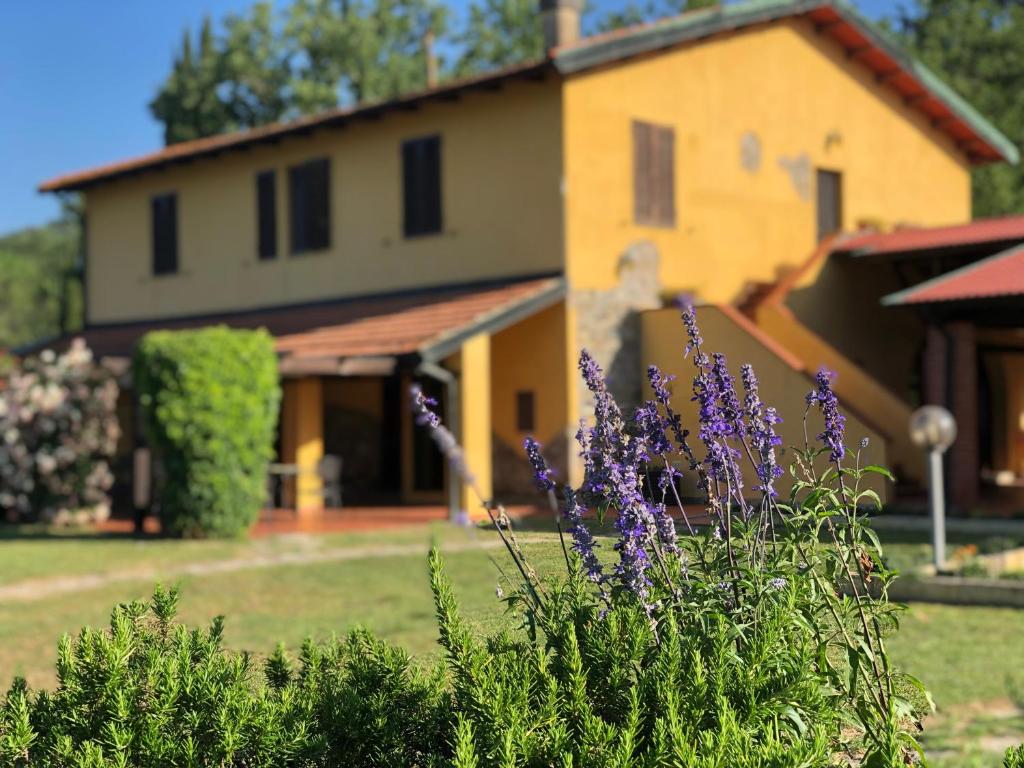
(1005, 229)
(391, 325)
(997, 276)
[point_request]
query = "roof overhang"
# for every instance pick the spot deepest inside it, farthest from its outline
(361, 336)
(980, 237)
(995, 278)
(213, 146)
(919, 87)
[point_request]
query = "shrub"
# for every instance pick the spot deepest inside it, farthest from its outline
(58, 432)
(210, 402)
(151, 693)
(1014, 757)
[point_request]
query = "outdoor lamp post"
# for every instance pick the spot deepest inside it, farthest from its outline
(933, 428)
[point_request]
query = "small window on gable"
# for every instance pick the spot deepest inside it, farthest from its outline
(654, 170)
(309, 191)
(421, 186)
(525, 407)
(830, 203)
(266, 214)
(164, 214)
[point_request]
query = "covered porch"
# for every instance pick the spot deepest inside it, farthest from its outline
(973, 364)
(345, 396)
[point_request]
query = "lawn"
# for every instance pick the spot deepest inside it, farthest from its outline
(968, 657)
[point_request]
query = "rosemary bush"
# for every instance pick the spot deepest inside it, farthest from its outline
(756, 640)
(154, 694)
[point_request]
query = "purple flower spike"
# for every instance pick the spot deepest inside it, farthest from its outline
(835, 422)
(542, 473)
(761, 423)
(583, 543)
(445, 440)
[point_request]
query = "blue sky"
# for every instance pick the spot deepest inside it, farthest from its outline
(75, 79)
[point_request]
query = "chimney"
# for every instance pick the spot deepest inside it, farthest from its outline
(430, 58)
(561, 19)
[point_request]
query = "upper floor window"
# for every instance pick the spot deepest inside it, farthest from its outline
(309, 187)
(830, 203)
(266, 214)
(654, 193)
(164, 210)
(421, 186)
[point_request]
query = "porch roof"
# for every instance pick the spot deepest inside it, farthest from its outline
(997, 276)
(980, 235)
(367, 335)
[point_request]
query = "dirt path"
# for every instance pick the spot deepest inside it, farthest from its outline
(38, 589)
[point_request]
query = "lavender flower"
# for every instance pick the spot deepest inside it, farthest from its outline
(659, 385)
(542, 474)
(835, 422)
(445, 440)
(777, 584)
(666, 528)
(583, 543)
(761, 421)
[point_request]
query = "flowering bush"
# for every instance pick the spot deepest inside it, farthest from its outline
(756, 639)
(58, 432)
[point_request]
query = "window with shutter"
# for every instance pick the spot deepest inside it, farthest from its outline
(421, 186)
(164, 210)
(310, 206)
(654, 201)
(266, 214)
(830, 203)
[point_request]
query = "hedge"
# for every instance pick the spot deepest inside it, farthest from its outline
(210, 401)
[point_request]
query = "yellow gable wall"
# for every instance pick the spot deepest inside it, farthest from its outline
(791, 89)
(501, 173)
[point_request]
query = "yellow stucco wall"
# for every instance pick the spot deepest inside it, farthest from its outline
(302, 441)
(501, 173)
(780, 384)
(529, 357)
(793, 94)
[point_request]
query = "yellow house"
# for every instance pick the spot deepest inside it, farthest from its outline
(474, 236)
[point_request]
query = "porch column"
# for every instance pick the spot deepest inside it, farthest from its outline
(963, 400)
(302, 440)
(475, 422)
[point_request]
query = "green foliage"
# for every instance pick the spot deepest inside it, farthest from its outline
(150, 693)
(499, 33)
(261, 66)
(1014, 757)
(40, 294)
(974, 45)
(210, 402)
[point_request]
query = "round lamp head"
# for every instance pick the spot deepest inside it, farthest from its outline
(933, 428)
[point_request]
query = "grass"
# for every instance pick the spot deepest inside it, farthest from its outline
(967, 656)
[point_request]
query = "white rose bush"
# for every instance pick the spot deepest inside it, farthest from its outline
(58, 434)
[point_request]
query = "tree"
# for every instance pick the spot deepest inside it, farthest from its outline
(641, 13)
(190, 103)
(352, 51)
(499, 33)
(977, 46)
(40, 291)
